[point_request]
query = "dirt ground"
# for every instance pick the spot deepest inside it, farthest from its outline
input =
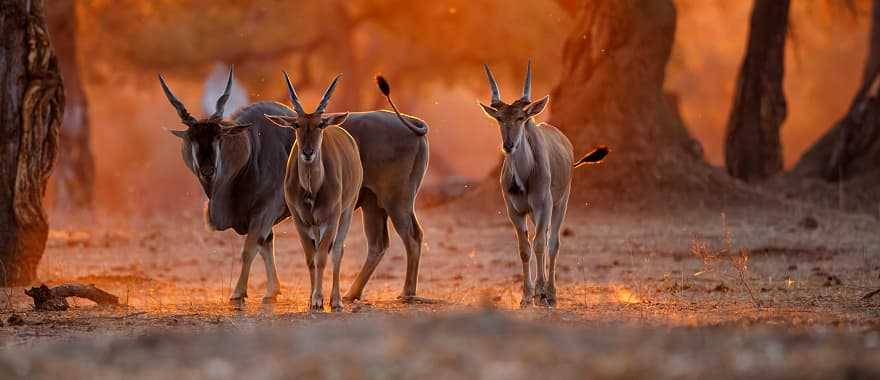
(683, 293)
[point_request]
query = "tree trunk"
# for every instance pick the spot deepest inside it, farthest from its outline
(31, 107)
(614, 64)
(74, 178)
(753, 151)
(852, 147)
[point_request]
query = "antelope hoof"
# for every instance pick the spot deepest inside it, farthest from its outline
(551, 297)
(335, 304)
(317, 304)
(351, 298)
(271, 296)
(237, 302)
(541, 300)
(238, 296)
(540, 295)
(528, 297)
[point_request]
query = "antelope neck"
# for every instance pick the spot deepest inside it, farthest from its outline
(311, 174)
(522, 160)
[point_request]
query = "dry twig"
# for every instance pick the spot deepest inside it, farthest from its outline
(726, 254)
(871, 294)
(55, 299)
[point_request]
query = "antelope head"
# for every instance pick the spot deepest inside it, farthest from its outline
(309, 127)
(512, 118)
(202, 137)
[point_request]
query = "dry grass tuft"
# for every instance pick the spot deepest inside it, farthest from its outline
(725, 261)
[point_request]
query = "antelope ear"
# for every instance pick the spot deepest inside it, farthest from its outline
(335, 118)
(178, 133)
(536, 107)
(489, 111)
(236, 129)
(281, 121)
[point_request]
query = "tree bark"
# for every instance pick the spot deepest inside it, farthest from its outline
(851, 148)
(614, 64)
(74, 177)
(31, 107)
(753, 151)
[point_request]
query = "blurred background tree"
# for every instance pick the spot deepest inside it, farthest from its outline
(851, 148)
(74, 176)
(841, 166)
(614, 64)
(753, 149)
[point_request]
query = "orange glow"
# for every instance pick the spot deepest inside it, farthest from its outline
(437, 78)
(624, 295)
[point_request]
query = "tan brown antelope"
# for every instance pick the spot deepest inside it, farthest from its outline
(321, 187)
(394, 154)
(535, 182)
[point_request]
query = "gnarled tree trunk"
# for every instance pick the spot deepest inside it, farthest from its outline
(74, 177)
(611, 93)
(851, 148)
(31, 107)
(753, 151)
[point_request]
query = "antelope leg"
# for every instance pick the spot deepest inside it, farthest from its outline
(338, 250)
(525, 253)
(248, 252)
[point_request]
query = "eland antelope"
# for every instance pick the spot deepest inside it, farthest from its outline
(535, 182)
(240, 166)
(394, 154)
(321, 187)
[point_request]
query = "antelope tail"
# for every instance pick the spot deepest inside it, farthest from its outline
(594, 157)
(418, 130)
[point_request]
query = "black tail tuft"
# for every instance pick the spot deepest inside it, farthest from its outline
(383, 85)
(419, 130)
(594, 157)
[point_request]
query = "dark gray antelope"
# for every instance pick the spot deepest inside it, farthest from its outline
(240, 165)
(321, 187)
(535, 182)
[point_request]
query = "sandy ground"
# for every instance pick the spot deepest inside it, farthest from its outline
(685, 293)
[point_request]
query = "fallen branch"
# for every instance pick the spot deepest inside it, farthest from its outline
(871, 294)
(55, 299)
